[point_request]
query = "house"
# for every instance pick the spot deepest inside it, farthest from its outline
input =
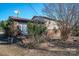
(20, 23)
(18, 27)
(51, 25)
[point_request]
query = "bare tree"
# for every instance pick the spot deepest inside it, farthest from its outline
(67, 16)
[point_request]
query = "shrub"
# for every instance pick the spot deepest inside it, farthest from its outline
(75, 31)
(36, 30)
(4, 24)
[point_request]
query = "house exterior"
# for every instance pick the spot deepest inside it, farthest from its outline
(51, 25)
(19, 23)
(52, 29)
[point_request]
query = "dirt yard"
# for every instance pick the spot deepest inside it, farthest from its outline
(14, 50)
(55, 49)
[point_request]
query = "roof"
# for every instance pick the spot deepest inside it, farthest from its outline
(12, 18)
(18, 19)
(41, 18)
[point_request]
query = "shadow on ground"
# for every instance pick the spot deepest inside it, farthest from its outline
(64, 44)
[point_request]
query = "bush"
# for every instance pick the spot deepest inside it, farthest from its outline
(36, 30)
(7, 28)
(4, 24)
(75, 31)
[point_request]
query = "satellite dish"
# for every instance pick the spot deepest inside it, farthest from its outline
(17, 12)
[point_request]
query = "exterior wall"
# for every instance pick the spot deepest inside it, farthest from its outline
(51, 24)
(52, 29)
(20, 26)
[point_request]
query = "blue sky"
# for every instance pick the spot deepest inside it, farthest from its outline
(7, 9)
